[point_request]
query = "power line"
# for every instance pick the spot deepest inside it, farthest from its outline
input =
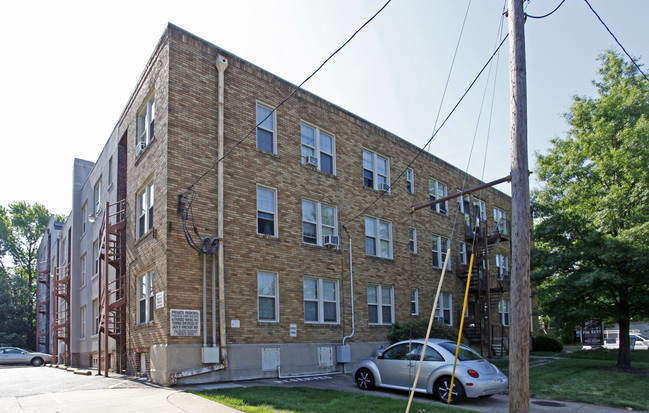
(289, 95)
(617, 41)
(545, 15)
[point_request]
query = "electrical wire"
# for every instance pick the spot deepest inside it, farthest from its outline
(617, 41)
(289, 95)
(545, 15)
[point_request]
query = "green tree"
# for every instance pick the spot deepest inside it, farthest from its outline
(21, 228)
(591, 257)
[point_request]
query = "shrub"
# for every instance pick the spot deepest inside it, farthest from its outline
(416, 328)
(546, 342)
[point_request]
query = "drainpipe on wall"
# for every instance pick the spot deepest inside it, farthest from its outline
(221, 65)
(351, 283)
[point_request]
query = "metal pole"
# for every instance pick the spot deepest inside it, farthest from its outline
(465, 192)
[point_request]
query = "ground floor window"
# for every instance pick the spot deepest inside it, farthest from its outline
(444, 313)
(146, 297)
(503, 312)
(380, 304)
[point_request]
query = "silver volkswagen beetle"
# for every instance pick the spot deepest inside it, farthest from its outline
(396, 367)
(15, 355)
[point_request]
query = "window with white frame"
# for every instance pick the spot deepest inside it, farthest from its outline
(438, 190)
(414, 301)
(470, 307)
(95, 316)
(266, 136)
(410, 180)
(376, 171)
(318, 221)
(500, 220)
(378, 237)
(145, 298)
(84, 217)
(82, 264)
(82, 316)
(503, 312)
(318, 147)
(412, 236)
(266, 211)
(145, 200)
(97, 197)
(444, 313)
(267, 301)
(95, 257)
(380, 304)
(502, 266)
(110, 172)
(320, 300)
(440, 247)
(480, 208)
(146, 123)
(464, 254)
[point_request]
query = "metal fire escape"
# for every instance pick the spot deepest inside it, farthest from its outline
(61, 325)
(43, 307)
(112, 290)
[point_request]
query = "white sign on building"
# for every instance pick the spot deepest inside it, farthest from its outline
(185, 323)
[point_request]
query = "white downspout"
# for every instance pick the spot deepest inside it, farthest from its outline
(204, 300)
(351, 284)
(221, 65)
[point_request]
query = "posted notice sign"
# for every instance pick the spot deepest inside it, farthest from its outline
(591, 333)
(185, 323)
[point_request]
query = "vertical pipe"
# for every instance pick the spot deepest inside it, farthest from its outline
(106, 296)
(213, 301)
(351, 287)
(221, 65)
(204, 300)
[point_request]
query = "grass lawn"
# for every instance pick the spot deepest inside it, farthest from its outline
(266, 399)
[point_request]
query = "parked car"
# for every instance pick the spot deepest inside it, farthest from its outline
(637, 341)
(15, 355)
(396, 367)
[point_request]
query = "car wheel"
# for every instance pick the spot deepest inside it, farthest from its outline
(443, 386)
(37, 361)
(365, 379)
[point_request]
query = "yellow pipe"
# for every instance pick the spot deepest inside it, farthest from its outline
(459, 336)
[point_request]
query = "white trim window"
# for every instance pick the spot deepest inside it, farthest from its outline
(410, 180)
(378, 237)
(318, 145)
(380, 304)
(480, 208)
(82, 316)
(266, 211)
(95, 316)
(503, 312)
(267, 297)
(412, 237)
(414, 301)
(439, 248)
(97, 198)
(266, 134)
(84, 217)
(464, 253)
(376, 171)
(318, 220)
(110, 173)
(500, 220)
(82, 264)
(320, 301)
(145, 201)
(146, 123)
(95, 257)
(502, 266)
(443, 312)
(438, 190)
(145, 298)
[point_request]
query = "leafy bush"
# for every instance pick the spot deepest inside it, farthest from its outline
(546, 342)
(416, 328)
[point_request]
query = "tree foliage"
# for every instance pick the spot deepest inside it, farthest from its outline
(591, 257)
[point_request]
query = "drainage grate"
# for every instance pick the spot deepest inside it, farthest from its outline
(548, 403)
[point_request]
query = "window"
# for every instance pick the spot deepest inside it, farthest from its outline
(443, 312)
(376, 171)
(267, 302)
(464, 254)
(378, 237)
(439, 249)
(145, 210)
(145, 297)
(414, 301)
(82, 264)
(318, 144)
(410, 180)
(503, 312)
(438, 190)
(470, 307)
(318, 220)
(380, 304)
(500, 220)
(110, 172)
(502, 266)
(82, 315)
(480, 209)
(266, 129)
(95, 316)
(412, 235)
(266, 213)
(84, 217)
(145, 124)
(95, 256)
(97, 195)
(320, 300)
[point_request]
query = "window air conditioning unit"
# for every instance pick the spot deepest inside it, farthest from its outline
(311, 160)
(385, 187)
(330, 240)
(139, 147)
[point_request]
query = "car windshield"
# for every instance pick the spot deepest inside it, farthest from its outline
(465, 353)
(642, 336)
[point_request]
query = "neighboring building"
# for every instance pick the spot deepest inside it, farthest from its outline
(304, 172)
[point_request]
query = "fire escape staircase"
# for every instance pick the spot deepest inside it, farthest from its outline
(61, 324)
(43, 304)
(112, 287)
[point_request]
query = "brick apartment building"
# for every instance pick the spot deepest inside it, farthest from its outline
(276, 298)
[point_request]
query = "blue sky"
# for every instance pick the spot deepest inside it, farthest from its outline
(70, 66)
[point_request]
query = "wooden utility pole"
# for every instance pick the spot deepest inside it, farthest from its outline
(519, 333)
